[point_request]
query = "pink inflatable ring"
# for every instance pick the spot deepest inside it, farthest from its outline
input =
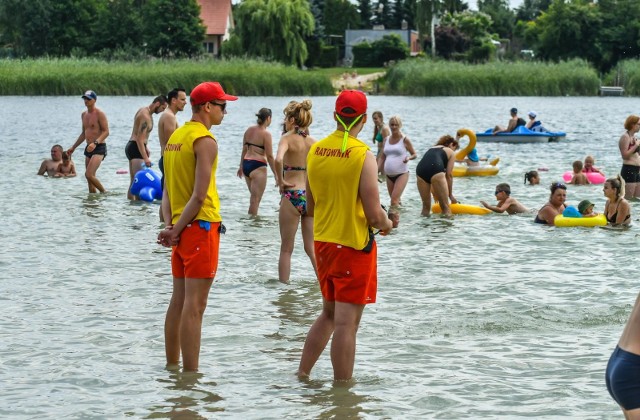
(593, 177)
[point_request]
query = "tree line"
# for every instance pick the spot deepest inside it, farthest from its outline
(302, 32)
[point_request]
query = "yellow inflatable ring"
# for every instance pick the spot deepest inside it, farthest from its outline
(462, 209)
(561, 221)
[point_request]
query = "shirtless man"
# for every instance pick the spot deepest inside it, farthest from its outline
(505, 201)
(514, 123)
(95, 130)
(50, 166)
(136, 150)
(167, 124)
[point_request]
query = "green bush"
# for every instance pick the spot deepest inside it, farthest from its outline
(363, 55)
(627, 75)
(151, 77)
(421, 77)
(328, 56)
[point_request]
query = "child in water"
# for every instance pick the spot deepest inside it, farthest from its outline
(586, 209)
(578, 178)
(588, 165)
(66, 168)
(533, 177)
(505, 201)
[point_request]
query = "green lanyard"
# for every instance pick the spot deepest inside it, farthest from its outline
(346, 131)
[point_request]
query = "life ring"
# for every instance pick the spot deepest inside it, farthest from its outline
(147, 185)
(462, 209)
(462, 169)
(562, 221)
(593, 177)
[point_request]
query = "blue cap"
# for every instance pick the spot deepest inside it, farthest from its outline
(571, 211)
(473, 155)
(89, 95)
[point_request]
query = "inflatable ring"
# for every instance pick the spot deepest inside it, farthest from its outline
(462, 169)
(561, 221)
(593, 177)
(462, 209)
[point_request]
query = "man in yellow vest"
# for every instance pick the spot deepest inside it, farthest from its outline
(343, 198)
(191, 210)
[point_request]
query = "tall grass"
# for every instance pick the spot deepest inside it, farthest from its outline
(627, 75)
(423, 77)
(73, 76)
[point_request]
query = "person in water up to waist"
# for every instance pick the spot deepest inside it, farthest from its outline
(345, 250)
(191, 211)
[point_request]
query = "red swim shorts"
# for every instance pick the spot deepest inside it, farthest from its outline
(196, 255)
(346, 274)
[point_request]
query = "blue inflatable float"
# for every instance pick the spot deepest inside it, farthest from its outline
(147, 185)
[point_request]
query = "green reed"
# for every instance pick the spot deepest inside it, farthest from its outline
(152, 77)
(424, 77)
(627, 75)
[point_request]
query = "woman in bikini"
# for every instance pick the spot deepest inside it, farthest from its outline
(629, 148)
(435, 175)
(257, 150)
(397, 151)
(380, 132)
(554, 206)
(617, 209)
(291, 176)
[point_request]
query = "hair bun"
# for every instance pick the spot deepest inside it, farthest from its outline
(306, 104)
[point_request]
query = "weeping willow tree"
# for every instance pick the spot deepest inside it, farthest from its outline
(275, 29)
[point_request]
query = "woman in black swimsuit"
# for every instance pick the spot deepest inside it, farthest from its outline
(554, 206)
(435, 172)
(630, 152)
(617, 209)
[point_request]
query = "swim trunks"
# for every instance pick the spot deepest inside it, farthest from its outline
(433, 162)
(630, 173)
(623, 378)
(196, 255)
(101, 149)
(250, 165)
(345, 274)
(298, 199)
(132, 151)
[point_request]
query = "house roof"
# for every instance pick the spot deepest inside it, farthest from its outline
(215, 15)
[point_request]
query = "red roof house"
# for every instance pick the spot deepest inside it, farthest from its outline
(217, 18)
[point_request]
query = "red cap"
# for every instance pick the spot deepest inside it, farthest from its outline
(209, 91)
(354, 99)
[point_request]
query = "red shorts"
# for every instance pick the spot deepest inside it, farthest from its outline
(346, 274)
(196, 255)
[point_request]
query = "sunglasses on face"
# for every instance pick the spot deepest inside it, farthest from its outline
(223, 106)
(497, 192)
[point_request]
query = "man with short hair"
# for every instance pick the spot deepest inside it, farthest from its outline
(168, 123)
(50, 166)
(514, 122)
(95, 130)
(344, 246)
(136, 149)
(191, 210)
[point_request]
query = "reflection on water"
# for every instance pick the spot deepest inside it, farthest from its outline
(491, 315)
(335, 400)
(190, 395)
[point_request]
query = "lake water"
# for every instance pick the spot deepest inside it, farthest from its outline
(477, 317)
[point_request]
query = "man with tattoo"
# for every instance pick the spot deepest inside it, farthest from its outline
(137, 151)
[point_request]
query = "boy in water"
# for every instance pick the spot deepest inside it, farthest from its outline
(505, 201)
(586, 209)
(579, 178)
(66, 168)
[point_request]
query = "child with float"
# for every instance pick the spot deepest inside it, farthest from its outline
(505, 201)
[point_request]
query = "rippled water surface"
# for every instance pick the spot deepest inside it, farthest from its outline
(477, 317)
